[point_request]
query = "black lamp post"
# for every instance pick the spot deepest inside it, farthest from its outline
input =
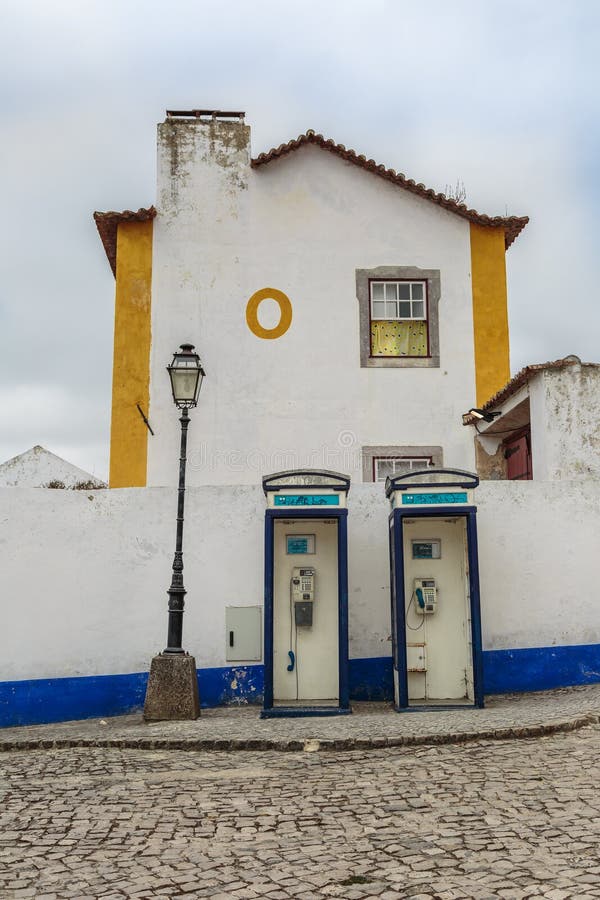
(186, 375)
(172, 691)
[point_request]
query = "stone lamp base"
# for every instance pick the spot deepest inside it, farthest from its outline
(172, 692)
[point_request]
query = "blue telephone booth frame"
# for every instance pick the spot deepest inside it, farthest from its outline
(456, 479)
(326, 481)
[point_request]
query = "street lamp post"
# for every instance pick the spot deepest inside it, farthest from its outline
(186, 375)
(172, 691)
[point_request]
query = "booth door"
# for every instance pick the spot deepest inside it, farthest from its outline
(439, 652)
(315, 676)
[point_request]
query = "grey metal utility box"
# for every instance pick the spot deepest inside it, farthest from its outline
(243, 626)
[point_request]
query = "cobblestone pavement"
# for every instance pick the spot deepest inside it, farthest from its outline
(371, 725)
(485, 819)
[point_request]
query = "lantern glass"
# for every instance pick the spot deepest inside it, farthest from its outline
(186, 375)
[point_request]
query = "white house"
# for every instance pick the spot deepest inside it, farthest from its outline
(345, 315)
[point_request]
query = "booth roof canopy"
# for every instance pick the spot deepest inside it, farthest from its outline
(306, 478)
(431, 478)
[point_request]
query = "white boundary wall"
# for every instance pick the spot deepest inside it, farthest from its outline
(83, 576)
(539, 563)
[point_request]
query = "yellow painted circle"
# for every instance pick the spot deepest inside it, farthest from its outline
(285, 309)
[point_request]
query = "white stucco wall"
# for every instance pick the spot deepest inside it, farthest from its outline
(539, 563)
(565, 427)
(83, 577)
(90, 573)
(304, 225)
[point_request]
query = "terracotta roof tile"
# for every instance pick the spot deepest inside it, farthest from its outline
(512, 225)
(107, 224)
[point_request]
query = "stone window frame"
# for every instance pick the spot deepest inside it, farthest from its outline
(387, 451)
(399, 273)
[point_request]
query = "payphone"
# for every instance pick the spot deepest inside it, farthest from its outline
(436, 623)
(425, 594)
(306, 594)
(302, 590)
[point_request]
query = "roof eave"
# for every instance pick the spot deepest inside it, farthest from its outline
(108, 223)
(523, 376)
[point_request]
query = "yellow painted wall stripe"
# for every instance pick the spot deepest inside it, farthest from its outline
(131, 364)
(490, 311)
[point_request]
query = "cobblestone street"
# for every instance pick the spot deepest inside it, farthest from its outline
(486, 819)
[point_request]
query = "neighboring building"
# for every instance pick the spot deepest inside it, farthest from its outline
(545, 424)
(39, 467)
(345, 315)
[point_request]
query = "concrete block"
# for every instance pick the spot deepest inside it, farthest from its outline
(172, 692)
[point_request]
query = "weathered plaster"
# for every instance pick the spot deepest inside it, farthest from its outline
(569, 399)
(187, 145)
(490, 461)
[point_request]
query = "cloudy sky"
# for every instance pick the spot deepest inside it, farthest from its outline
(502, 95)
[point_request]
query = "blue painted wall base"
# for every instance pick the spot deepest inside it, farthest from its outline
(371, 679)
(89, 697)
(540, 668)
(60, 699)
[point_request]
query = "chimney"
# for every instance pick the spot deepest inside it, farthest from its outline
(203, 164)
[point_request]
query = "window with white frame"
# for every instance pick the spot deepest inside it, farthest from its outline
(398, 299)
(398, 312)
(398, 465)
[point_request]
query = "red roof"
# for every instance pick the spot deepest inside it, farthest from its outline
(512, 225)
(107, 224)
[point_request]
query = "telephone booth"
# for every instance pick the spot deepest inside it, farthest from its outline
(434, 575)
(306, 594)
